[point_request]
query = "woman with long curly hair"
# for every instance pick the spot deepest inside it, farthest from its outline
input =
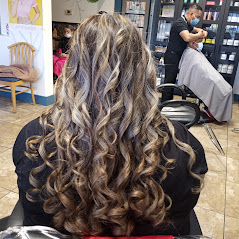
(103, 160)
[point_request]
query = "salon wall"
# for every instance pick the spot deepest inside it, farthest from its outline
(81, 9)
(40, 37)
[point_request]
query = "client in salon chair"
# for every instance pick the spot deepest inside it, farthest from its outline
(103, 161)
(197, 73)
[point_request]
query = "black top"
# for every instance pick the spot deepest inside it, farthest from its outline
(176, 42)
(64, 44)
(177, 185)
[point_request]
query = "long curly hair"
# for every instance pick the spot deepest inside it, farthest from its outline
(102, 138)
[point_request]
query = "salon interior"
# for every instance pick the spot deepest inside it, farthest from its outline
(207, 103)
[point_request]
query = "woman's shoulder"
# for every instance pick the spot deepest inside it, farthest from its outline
(30, 129)
(184, 135)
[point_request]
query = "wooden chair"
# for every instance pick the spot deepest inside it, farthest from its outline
(20, 53)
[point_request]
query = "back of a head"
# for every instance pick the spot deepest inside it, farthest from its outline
(194, 8)
(105, 123)
(106, 128)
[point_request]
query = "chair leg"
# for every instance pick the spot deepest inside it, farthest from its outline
(13, 92)
(33, 97)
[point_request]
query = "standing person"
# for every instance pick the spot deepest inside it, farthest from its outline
(21, 9)
(182, 32)
(103, 161)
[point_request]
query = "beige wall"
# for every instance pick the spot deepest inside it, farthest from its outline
(81, 9)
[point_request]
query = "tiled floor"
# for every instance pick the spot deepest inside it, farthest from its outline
(218, 206)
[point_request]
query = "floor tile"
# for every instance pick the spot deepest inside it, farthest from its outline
(8, 178)
(232, 200)
(233, 152)
(15, 190)
(11, 116)
(216, 162)
(9, 133)
(233, 137)
(233, 170)
(212, 196)
(2, 149)
(231, 228)
(24, 120)
(3, 192)
(200, 133)
(7, 203)
(211, 223)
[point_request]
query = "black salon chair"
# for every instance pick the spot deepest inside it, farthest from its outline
(184, 111)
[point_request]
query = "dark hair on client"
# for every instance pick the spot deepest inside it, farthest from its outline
(196, 6)
(71, 27)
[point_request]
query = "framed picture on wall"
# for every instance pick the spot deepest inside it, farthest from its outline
(4, 19)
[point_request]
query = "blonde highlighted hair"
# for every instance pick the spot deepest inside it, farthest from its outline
(106, 136)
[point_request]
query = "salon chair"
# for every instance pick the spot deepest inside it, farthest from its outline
(186, 112)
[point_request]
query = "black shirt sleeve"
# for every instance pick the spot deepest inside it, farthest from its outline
(64, 44)
(180, 26)
(33, 211)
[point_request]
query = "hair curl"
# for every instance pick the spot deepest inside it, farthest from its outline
(105, 126)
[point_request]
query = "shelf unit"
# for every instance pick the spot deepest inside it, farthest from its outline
(214, 19)
(229, 32)
(138, 13)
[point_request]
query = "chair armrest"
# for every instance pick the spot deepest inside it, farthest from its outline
(169, 85)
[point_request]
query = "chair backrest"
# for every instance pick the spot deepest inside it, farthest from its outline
(183, 111)
(21, 53)
(179, 89)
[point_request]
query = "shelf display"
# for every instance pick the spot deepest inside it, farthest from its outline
(135, 7)
(138, 13)
(228, 50)
(167, 9)
(163, 30)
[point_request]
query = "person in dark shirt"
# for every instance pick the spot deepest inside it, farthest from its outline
(59, 58)
(182, 32)
(102, 160)
(64, 42)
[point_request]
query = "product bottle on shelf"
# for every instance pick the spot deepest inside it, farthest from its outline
(209, 16)
(230, 69)
(225, 40)
(215, 15)
(185, 1)
(232, 56)
(191, 1)
(54, 34)
(197, 1)
(229, 18)
(234, 17)
(159, 33)
(220, 2)
(205, 15)
(232, 35)
(219, 68)
(236, 40)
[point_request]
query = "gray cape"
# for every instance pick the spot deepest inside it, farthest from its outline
(197, 73)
